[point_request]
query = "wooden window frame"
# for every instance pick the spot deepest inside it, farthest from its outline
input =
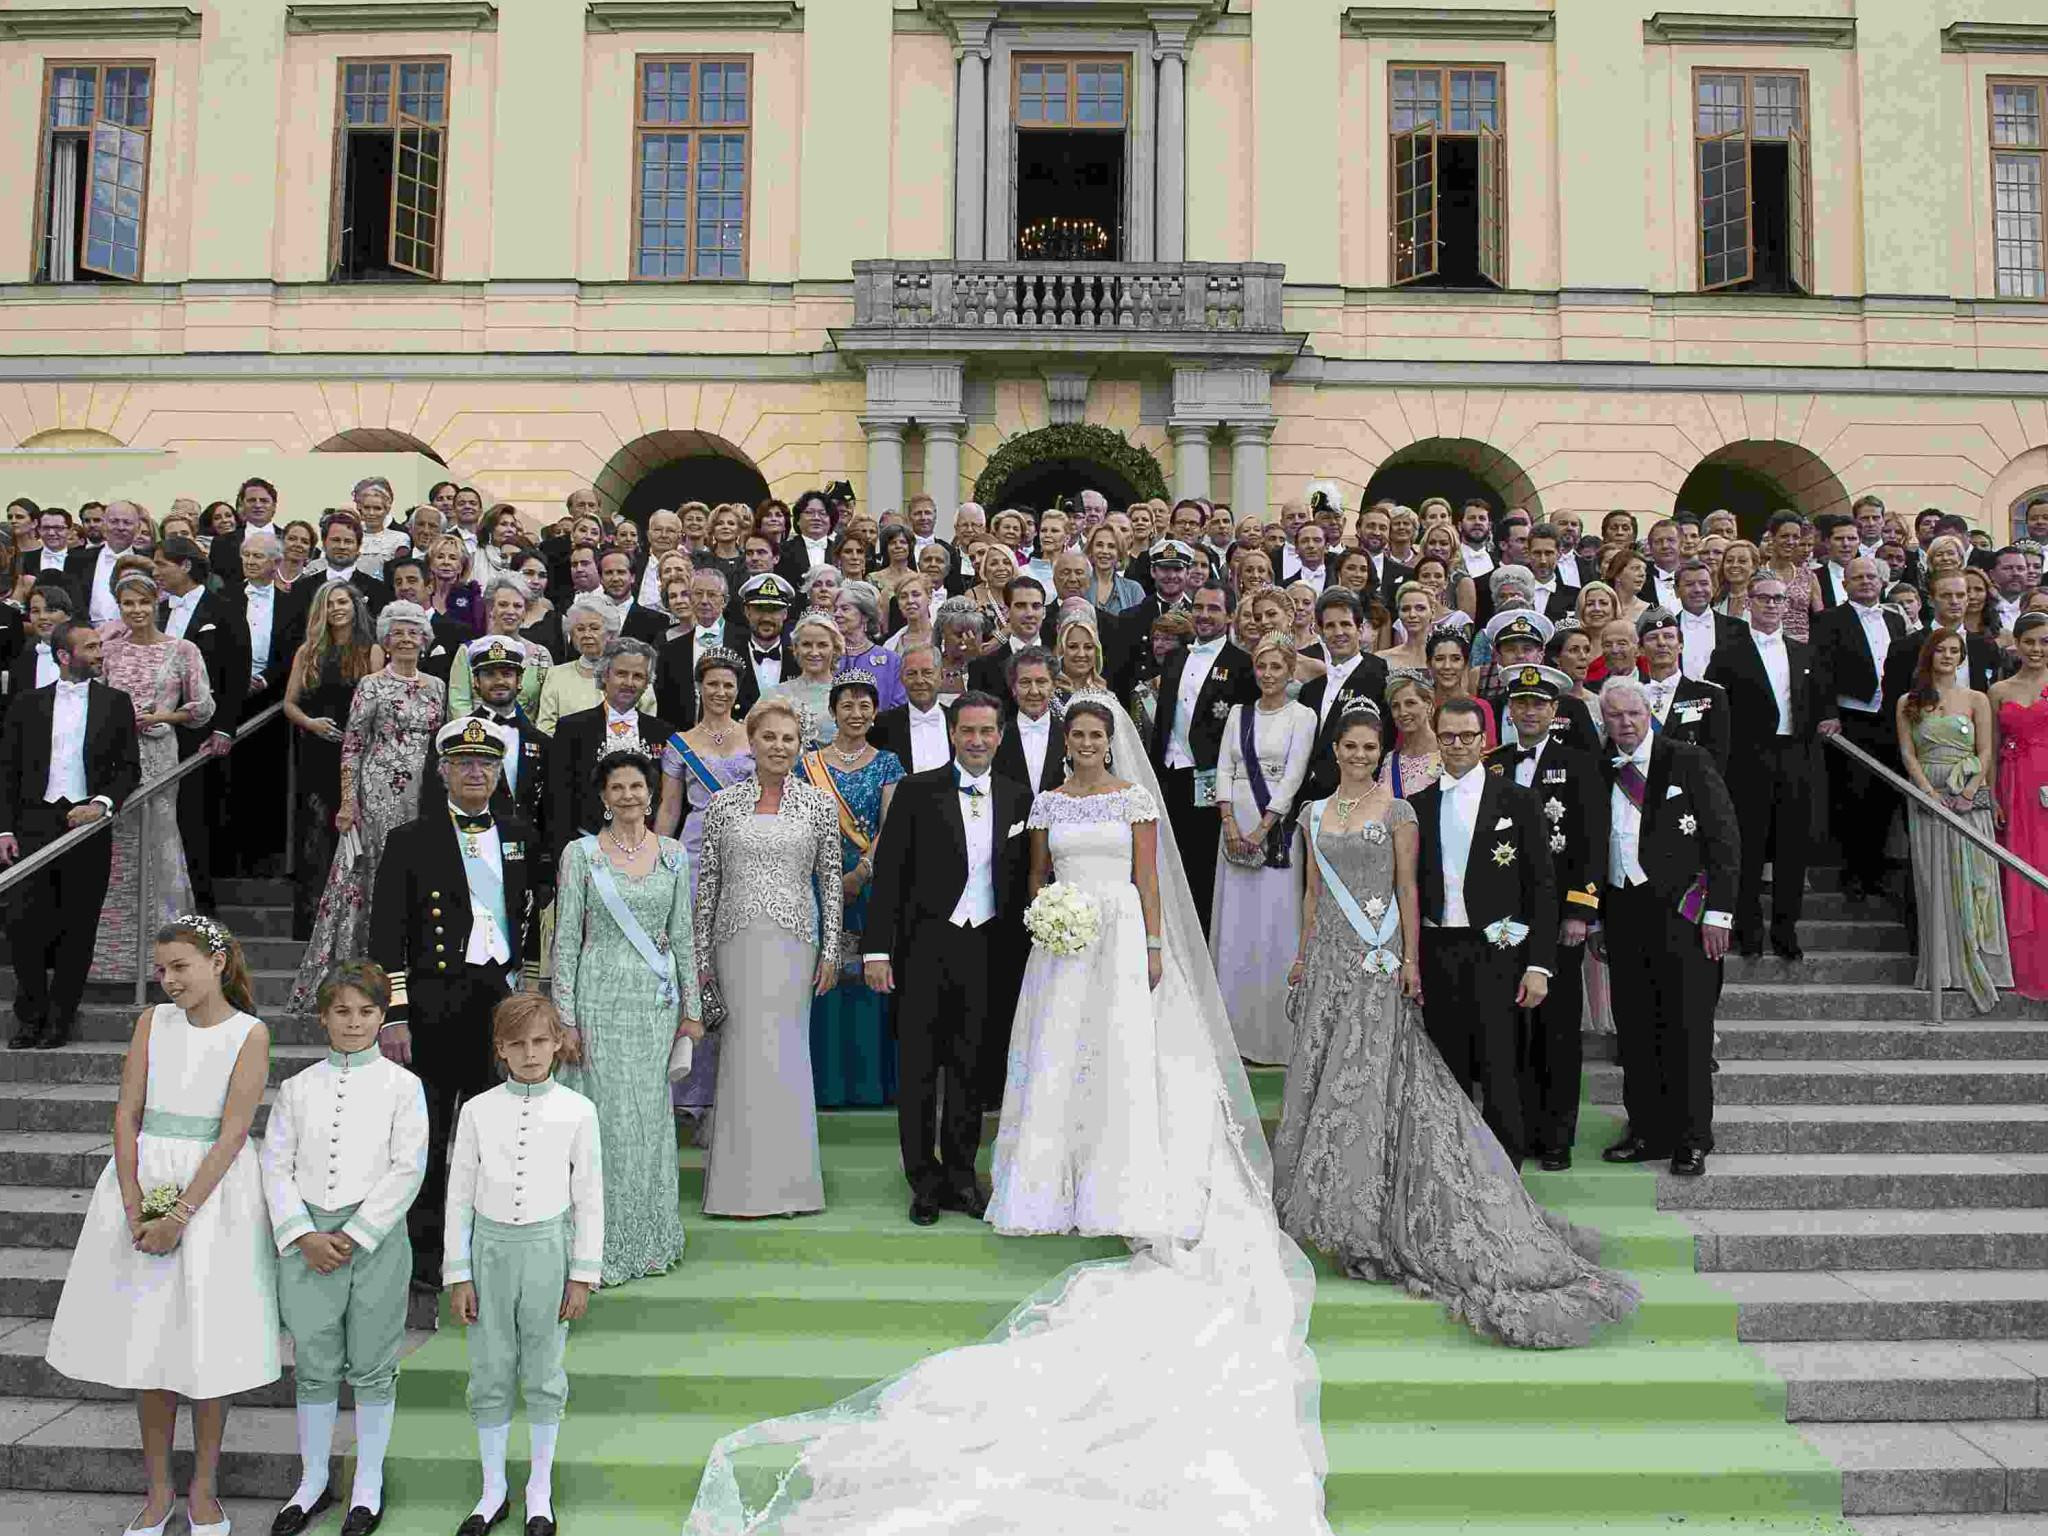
(1994, 149)
(639, 130)
(45, 134)
(1798, 142)
(1020, 59)
(1493, 171)
(396, 129)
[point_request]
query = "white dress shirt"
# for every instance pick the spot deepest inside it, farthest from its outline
(705, 636)
(1878, 635)
(1778, 668)
(650, 584)
(1478, 562)
(1835, 581)
(525, 1153)
(1696, 633)
(1625, 827)
(1035, 737)
(487, 942)
(67, 745)
(1665, 584)
(46, 664)
(178, 617)
(977, 903)
(101, 607)
(1661, 692)
(767, 669)
(1317, 577)
(2007, 612)
(929, 745)
(1201, 659)
(1338, 674)
(618, 726)
(1454, 838)
(814, 551)
(1525, 770)
(261, 607)
(350, 1130)
(1568, 570)
(53, 560)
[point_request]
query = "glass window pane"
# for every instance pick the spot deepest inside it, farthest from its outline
(1056, 93)
(2016, 116)
(2017, 232)
(1418, 99)
(1720, 104)
(1777, 105)
(72, 96)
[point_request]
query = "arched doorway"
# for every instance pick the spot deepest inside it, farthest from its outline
(1033, 468)
(667, 468)
(1459, 469)
(1758, 476)
(377, 440)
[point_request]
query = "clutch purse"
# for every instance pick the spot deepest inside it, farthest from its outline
(680, 1057)
(2044, 796)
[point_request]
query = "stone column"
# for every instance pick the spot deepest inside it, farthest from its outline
(1170, 157)
(885, 464)
(1248, 441)
(1190, 460)
(970, 159)
(942, 469)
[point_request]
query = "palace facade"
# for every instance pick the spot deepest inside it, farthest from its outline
(1578, 255)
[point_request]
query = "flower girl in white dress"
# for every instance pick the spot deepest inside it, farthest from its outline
(182, 1303)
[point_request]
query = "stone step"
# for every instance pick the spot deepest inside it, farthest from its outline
(1980, 1305)
(96, 1514)
(1938, 1525)
(1978, 1466)
(1857, 1082)
(1867, 1239)
(1875, 1128)
(1823, 1040)
(237, 892)
(87, 1446)
(1907, 1381)
(1849, 1000)
(274, 922)
(1867, 933)
(31, 1280)
(1831, 906)
(1859, 1180)
(71, 1107)
(270, 987)
(116, 1022)
(99, 1061)
(1823, 967)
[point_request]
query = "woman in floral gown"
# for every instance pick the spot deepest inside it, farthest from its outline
(390, 723)
(166, 679)
(1381, 1160)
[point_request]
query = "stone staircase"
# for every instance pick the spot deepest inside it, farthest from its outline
(1877, 1211)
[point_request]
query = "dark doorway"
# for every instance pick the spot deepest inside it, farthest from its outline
(1750, 494)
(1413, 483)
(366, 208)
(1457, 215)
(1771, 218)
(1070, 196)
(1037, 485)
(709, 478)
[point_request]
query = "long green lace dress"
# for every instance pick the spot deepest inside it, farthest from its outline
(1972, 942)
(605, 990)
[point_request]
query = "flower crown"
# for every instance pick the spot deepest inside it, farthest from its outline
(217, 937)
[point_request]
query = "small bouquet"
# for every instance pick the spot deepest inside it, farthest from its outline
(1063, 919)
(160, 1202)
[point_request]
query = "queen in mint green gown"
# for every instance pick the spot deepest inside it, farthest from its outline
(607, 992)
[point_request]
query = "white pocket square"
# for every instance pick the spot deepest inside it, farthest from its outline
(205, 627)
(1672, 792)
(1504, 823)
(1014, 830)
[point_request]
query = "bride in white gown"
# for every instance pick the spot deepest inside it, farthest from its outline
(1149, 1396)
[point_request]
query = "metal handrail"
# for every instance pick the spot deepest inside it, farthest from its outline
(1936, 961)
(50, 852)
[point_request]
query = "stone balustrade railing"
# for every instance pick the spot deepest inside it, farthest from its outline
(1186, 296)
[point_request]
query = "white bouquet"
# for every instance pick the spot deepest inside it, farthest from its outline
(1063, 919)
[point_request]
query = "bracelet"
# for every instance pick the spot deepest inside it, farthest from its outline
(1154, 942)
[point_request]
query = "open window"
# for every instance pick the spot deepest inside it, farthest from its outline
(391, 157)
(2016, 155)
(692, 128)
(1448, 160)
(1070, 116)
(1755, 184)
(92, 184)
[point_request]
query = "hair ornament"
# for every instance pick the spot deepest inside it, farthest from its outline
(217, 937)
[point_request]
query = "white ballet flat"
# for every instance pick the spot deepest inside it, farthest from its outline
(152, 1530)
(219, 1528)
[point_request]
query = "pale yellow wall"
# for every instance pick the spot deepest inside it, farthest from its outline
(1219, 150)
(844, 176)
(920, 197)
(307, 483)
(1294, 147)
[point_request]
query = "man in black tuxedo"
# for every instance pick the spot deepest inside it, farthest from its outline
(1772, 705)
(1552, 595)
(1197, 686)
(1674, 856)
(575, 807)
(341, 546)
(1388, 573)
(1683, 709)
(1852, 644)
(67, 758)
(675, 668)
(1660, 580)
(809, 542)
(274, 619)
(91, 566)
(495, 667)
(1947, 594)
(636, 620)
(1701, 631)
(51, 561)
(448, 972)
(917, 731)
(1024, 625)
(1840, 544)
(215, 626)
(1489, 916)
(255, 507)
(1034, 751)
(406, 575)
(1352, 674)
(945, 915)
(1573, 799)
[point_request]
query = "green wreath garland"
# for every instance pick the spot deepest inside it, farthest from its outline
(1072, 440)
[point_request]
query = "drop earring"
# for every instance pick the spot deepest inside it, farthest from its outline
(607, 813)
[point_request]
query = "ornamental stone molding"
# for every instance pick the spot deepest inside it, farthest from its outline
(693, 16)
(390, 16)
(1169, 17)
(1066, 394)
(1434, 23)
(1995, 37)
(98, 21)
(1686, 27)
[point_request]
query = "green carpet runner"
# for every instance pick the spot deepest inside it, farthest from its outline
(1667, 1419)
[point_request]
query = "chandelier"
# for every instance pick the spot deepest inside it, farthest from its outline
(1063, 239)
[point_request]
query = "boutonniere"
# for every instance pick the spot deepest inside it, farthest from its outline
(1503, 854)
(1554, 809)
(515, 850)
(1687, 824)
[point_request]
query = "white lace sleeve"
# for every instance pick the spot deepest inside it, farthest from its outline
(1041, 815)
(1138, 804)
(1132, 803)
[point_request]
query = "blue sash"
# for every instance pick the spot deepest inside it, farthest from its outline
(695, 764)
(1377, 936)
(660, 959)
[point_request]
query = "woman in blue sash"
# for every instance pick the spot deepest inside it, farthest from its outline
(695, 765)
(1381, 1160)
(853, 1054)
(626, 982)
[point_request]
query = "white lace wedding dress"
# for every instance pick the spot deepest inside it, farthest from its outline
(1168, 1392)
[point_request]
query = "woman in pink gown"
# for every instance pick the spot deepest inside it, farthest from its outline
(2019, 705)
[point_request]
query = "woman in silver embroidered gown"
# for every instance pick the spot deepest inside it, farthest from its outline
(766, 946)
(1380, 1159)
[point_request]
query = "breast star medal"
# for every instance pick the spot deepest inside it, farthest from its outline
(1503, 854)
(1687, 825)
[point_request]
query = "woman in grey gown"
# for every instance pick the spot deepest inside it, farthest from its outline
(766, 946)
(1380, 1159)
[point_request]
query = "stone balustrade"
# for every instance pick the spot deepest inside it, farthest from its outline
(1205, 298)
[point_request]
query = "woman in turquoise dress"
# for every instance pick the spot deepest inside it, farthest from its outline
(853, 1054)
(625, 978)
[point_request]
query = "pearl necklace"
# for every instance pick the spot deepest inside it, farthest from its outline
(611, 833)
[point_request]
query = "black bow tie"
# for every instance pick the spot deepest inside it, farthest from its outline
(773, 653)
(472, 823)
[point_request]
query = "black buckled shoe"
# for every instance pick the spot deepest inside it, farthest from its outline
(291, 1519)
(967, 1199)
(1554, 1162)
(476, 1525)
(1630, 1149)
(924, 1207)
(1689, 1162)
(362, 1520)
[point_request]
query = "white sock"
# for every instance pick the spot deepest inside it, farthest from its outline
(316, 1446)
(373, 1438)
(490, 1449)
(540, 1482)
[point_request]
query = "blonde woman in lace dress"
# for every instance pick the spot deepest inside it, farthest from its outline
(1380, 1159)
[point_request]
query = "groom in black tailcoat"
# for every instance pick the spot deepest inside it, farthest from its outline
(944, 931)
